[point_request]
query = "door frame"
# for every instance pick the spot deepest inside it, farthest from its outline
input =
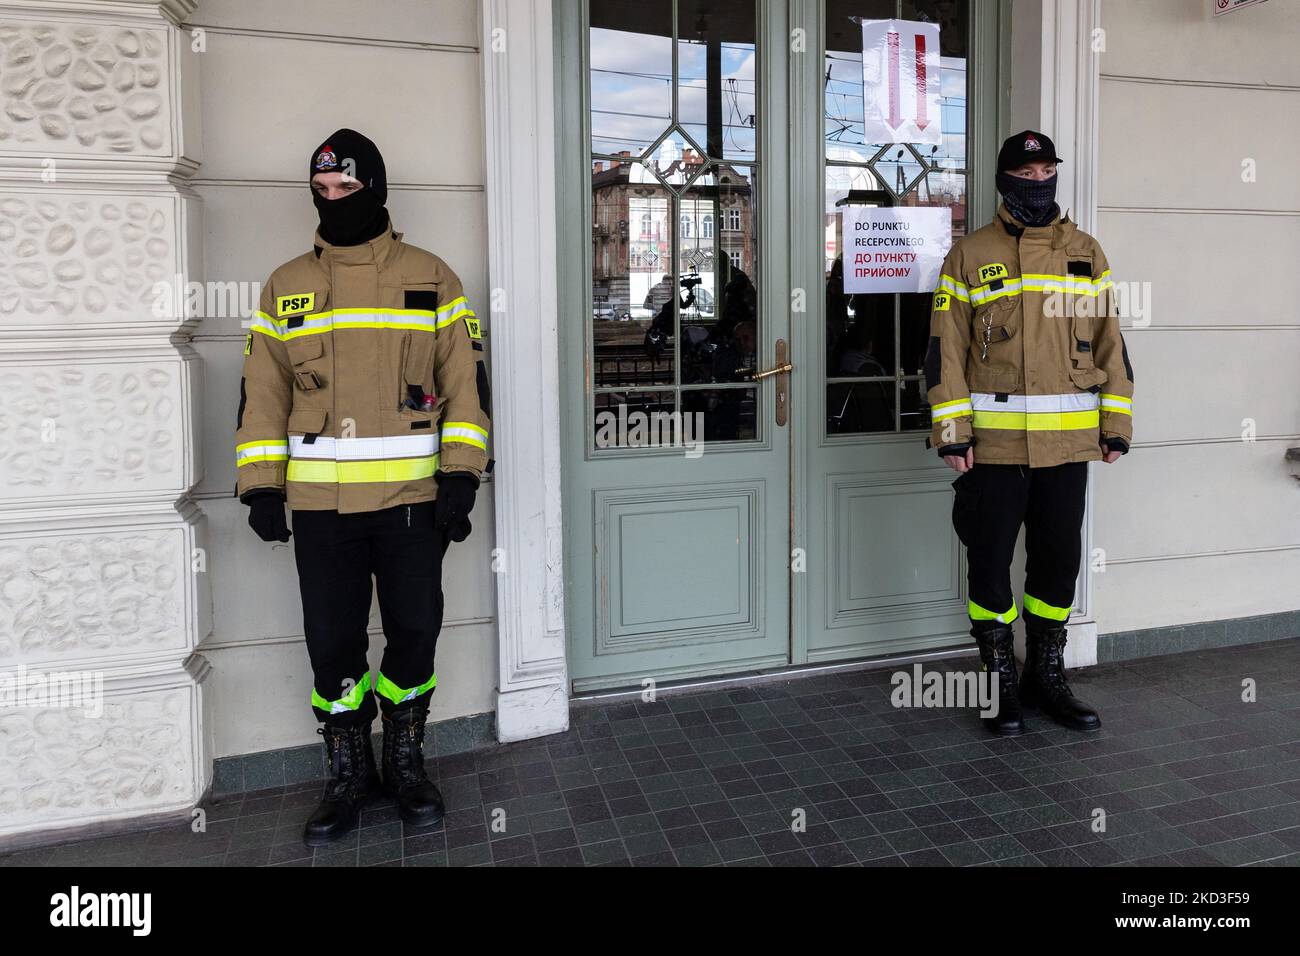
(523, 83)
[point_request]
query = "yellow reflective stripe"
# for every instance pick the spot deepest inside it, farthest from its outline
(1037, 421)
(1117, 404)
(349, 701)
(977, 613)
(466, 432)
(1075, 285)
(265, 449)
(1043, 609)
(951, 409)
(982, 295)
(361, 472)
(453, 310)
(400, 695)
(949, 284)
(261, 322)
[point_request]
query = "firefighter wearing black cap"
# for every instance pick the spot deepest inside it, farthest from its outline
(364, 408)
(1029, 380)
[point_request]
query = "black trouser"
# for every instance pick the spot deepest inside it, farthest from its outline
(336, 556)
(991, 503)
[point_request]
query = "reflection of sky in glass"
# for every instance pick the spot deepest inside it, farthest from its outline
(631, 99)
(738, 103)
(631, 92)
(843, 101)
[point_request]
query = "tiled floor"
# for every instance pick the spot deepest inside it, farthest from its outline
(1185, 772)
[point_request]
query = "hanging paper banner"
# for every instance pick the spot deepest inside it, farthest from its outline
(900, 81)
(895, 248)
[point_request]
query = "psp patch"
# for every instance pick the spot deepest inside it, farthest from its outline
(994, 270)
(475, 330)
(248, 344)
(298, 302)
(941, 301)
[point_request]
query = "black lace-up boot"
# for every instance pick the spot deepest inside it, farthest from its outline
(352, 762)
(998, 652)
(1043, 684)
(405, 780)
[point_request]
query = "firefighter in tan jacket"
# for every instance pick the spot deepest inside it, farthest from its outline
(364, 406)
(1029, 380)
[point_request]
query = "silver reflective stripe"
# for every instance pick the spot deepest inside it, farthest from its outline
(364, 449)
(1009, 287)
(320, 322)
(1073, 402)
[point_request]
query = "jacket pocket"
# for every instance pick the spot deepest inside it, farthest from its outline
(1081, 341)
(303, 351)
(417, 361)
(996, 325)
(305, 421)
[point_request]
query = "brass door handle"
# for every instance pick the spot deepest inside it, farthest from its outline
(772, 371)
(781, 370)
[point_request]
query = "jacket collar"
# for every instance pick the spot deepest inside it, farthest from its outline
(1060, 232)
(375, 251)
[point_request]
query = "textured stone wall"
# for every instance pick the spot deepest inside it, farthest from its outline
(102, 555)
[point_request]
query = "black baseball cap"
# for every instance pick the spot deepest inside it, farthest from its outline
(1027, 146)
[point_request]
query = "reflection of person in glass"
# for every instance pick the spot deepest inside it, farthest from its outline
(1029, 380)
(852, 351)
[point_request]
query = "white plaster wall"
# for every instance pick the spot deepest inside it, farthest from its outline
(276, 80)
(1198, 525)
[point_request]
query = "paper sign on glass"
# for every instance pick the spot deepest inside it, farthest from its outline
(900, 81)
(895, 249)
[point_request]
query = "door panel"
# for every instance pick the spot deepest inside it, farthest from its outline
(676, 474)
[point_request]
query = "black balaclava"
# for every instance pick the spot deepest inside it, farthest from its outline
(359, 216)
(1032, 201)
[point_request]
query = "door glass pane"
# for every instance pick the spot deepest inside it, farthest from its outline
(631, 245)
(875, 342)
(715, 79)
(674, 222)
(631, 64)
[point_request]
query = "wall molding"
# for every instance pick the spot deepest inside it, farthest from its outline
(519, 114)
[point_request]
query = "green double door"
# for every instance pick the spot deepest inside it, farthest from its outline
(745, 482)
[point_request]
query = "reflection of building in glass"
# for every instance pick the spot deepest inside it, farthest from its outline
(632, 241)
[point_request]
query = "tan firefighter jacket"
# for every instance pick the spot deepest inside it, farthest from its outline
(346, 345)
(1025, 350)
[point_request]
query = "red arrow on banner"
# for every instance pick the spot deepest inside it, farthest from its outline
(922, 121)
(895, 114)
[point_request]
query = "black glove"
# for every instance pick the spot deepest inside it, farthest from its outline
(958, 450)
(266, 515)
(1114, 444)
(455, 501)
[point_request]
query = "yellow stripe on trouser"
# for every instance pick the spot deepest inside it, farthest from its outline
(349, 701)
(400, 695)
(361, 472)
(978, 613)
(1043, 609)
